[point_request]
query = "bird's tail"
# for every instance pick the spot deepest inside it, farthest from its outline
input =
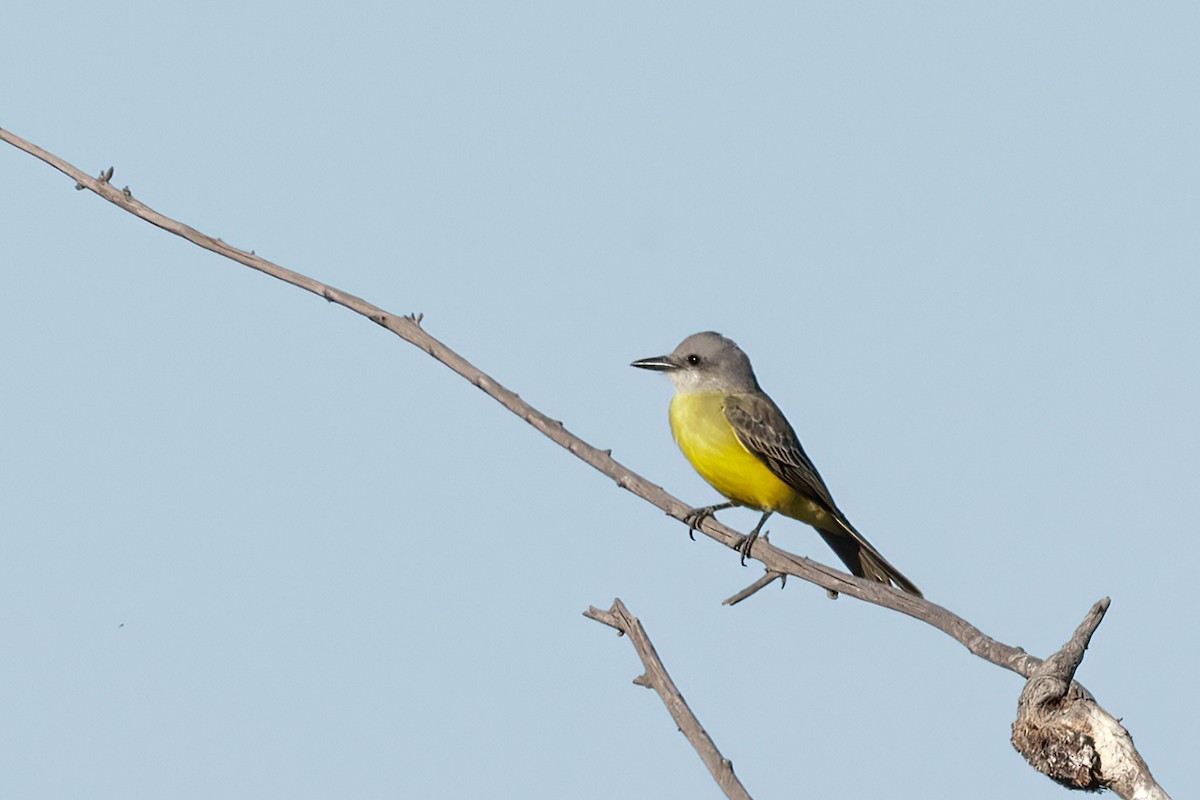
(864, 560)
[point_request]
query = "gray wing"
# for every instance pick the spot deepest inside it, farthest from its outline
(762, 428)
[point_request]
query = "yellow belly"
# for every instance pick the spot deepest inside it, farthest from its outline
(710, 444)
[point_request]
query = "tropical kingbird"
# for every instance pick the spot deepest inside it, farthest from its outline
(739, 441)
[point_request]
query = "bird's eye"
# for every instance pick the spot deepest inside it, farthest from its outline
(693, 359)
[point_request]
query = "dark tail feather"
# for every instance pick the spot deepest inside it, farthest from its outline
(864, 560)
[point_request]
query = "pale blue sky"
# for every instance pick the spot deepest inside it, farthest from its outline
(255, 547)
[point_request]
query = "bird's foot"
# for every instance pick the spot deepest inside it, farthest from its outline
(696, 516)
(748, 541)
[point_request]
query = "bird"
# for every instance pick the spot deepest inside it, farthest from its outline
(739, 441)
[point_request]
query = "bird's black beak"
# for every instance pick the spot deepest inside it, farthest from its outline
(658, 364)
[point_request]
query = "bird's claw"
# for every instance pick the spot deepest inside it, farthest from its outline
(749, 539)
(748, 542)
(696, 516)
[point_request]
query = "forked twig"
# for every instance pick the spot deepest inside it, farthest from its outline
(655, 677)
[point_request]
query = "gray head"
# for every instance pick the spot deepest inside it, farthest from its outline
(705, 362)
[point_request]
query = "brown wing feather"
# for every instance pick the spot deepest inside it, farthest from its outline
(765, 432)
(762, 428)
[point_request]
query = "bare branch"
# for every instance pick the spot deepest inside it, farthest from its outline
(408, 327)
(775, 560)
(1065, 734)
(655, 677)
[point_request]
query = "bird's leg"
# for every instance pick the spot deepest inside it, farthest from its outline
(694, 517)
(748, 542)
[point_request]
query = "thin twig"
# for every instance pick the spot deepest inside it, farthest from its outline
(1050, 681)
(655, 677)
(766, 580)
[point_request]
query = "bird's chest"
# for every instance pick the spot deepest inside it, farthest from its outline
(708, 441)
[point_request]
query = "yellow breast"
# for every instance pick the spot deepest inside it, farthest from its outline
(710, 444)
